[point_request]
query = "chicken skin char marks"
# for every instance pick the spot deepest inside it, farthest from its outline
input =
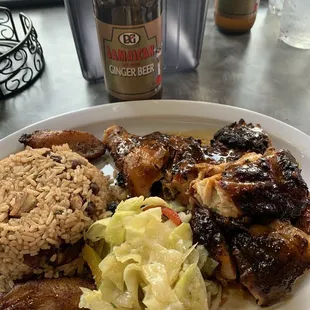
(270, 259)
(242, 137)
(266, 259)
(253, 204)
(256, 185)
(170, 163)
(208, 233)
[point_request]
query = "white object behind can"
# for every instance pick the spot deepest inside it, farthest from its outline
(276, 7)
(295, 23)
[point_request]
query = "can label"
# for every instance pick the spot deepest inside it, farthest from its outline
(132, 59)
(240, 7)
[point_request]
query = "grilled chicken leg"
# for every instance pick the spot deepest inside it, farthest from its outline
(172, 162)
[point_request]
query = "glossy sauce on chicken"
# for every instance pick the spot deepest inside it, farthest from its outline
(170, 163)
(205, 135)
(245, 196)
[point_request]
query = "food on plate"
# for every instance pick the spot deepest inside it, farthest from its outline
(207, 233)
(46, 294)
(83, 143)
(167, 164)
(270, 258)
(262, 185)
(48, 198)
(245, 214)
(154, 160)
(233, 184)
(232, 211)
(242, 138)
(151, 263)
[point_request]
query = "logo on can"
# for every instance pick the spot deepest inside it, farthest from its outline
(129, 38)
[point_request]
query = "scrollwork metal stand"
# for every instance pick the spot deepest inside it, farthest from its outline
(21, 61)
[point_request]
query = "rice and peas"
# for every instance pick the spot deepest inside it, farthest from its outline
(48, 199)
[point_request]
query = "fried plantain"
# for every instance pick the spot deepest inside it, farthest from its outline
(47, 294)
(83, 143)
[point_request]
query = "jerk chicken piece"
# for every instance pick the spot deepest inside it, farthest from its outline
(256, 185)
(182, 169)
(83, 143)
(172, 162)
(206, 232)
(145, 160)
(242, 138)
(47, 294)
(270, 259)
(233, 141)
(140, 160)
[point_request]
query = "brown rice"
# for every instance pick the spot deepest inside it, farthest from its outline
(47, 198)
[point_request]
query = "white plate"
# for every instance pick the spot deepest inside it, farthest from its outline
(170, 115)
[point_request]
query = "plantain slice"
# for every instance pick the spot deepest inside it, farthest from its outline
(83, 143)
(46, 294)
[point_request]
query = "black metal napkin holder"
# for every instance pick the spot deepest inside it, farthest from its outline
(21, 61)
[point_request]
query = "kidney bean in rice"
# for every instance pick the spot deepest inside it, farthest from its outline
(47, 200)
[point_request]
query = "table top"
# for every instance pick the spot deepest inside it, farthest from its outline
(254, 71)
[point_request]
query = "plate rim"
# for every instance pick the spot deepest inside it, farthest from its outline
(150, 108)
(158, 102)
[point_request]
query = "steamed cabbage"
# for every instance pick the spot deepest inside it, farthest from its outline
(151, 264)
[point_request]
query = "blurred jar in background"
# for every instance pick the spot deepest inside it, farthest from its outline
(235, 16)
(276, 7)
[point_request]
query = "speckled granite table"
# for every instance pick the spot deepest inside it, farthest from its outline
(253, 71)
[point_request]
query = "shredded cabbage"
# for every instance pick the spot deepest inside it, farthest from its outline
(151, 264)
